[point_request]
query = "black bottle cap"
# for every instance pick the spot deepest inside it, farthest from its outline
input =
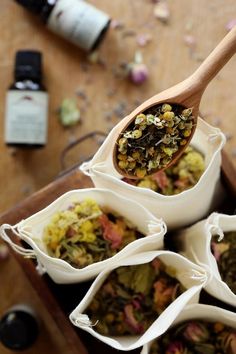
(35, 6)
(28, 65)
(18, 330)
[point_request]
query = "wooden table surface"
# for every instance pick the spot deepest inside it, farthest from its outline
(103, 96)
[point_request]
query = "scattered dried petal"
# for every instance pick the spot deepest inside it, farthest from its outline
(162, 12)
(69, 114)
(189, 40)
(230, 25)
(143, 39)
(111, 232)
(117, 24)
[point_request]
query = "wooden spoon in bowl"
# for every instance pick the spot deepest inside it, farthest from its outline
(186, 94)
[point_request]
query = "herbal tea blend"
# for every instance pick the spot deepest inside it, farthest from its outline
(132, 298)
(85, 233)
(150, 142)
(182, 175)
(224, 253)
(197, 337)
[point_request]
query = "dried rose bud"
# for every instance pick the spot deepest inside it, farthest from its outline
(196, 332)
(4, 252)
(138, 73)
(175, 348)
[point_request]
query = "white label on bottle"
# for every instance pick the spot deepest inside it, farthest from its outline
(26, 117)
(78, 22)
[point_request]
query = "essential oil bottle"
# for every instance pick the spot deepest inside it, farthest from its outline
(26, 118)
(75, 20)
(19, 328)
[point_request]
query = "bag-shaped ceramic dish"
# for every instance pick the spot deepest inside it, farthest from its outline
(31, 230)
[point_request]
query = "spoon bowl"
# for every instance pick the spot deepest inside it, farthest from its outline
(186, 94)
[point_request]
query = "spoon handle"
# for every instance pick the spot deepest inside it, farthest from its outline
(215, 61)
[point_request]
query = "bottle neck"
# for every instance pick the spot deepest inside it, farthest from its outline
(47, 9)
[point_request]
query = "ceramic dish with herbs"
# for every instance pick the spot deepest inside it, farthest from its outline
(211, 243)
(182, 175)
(167, 194)
(129, 303)
(201, 329)
(84, 231)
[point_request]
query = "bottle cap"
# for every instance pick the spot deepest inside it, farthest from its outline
(32, 5)
(18, 330)
(28, 65)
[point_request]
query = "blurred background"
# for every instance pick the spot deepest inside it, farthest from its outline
(171, 48)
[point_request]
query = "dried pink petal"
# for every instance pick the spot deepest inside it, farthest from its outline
(189, 40)
(196, 332)
(230, 25)
(175, 348)
(143, 39)
(116, 24)
(161, 179)
(131, 320)
(161, 11)
(110, 232)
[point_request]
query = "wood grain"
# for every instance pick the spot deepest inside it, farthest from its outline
(67, 70)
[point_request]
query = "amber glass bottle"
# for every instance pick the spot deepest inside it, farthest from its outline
(26, 117)
(75, 20)
(19, 328)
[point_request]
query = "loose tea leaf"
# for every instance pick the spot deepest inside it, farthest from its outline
(151, 141)
(224, 252)
(85, 233)
(182, 175)
(196, 337)
(132, 298)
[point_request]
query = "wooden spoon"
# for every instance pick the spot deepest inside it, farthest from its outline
(187, 93)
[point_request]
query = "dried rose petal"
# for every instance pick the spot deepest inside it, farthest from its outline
(218, 249)
(131, 320)
(161, 179)
(175, 348)
(189, 40)
(143, 39)
(230, 25)
(196, 332)
(111, 232)
(163, 294)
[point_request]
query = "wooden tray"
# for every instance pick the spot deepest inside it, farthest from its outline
(60, 300)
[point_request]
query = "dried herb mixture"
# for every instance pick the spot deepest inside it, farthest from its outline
(85, 233)
(225, 255)
(132, 298)
(182, 175)
(150, 142)
(197, 337)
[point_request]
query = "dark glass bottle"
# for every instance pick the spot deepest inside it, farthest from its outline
(27, 103)
(19, 328)
(75, 20)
